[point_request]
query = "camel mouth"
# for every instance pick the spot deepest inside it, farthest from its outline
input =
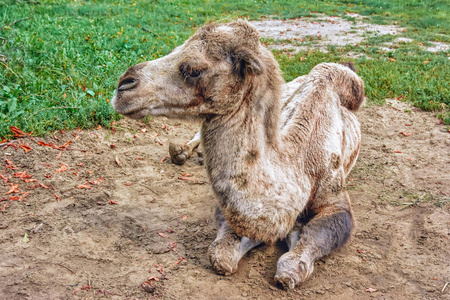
(137, 113)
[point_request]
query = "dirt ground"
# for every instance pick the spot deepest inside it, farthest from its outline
(91, 228)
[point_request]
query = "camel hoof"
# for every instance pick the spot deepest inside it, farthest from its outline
(224, 257)
(292, 271)
(178, 154)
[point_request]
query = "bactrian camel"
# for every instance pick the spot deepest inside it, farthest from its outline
(277, 169)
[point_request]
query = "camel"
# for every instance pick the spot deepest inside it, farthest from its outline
(277, 169)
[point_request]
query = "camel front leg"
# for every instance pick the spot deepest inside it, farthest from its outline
(327, 230)
(228, 248)
(179, 154)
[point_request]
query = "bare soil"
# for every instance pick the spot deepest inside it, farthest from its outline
(86, 246)
(293, 35)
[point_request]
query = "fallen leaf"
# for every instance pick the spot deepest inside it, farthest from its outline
(25, 147)
(101, 179)
(163, 235)
(84, 186)
(43, 186)
(62, 168)
(62, 147)
(186, 178)
(24, 194)
(13, 189)
(112, 202)
(179, 260)
(9, 165)
(371, 290)
(47, 145)
(58, 198)
(153, 278)
(11, 144)
(5, 179)
(22, 175)
(18, 133)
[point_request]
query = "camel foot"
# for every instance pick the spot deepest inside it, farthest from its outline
(179, 154)
(292, 270)
(225, 256)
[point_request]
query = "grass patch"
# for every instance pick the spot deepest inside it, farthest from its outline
(60, 60)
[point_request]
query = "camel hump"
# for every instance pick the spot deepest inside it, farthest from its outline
(342, 78)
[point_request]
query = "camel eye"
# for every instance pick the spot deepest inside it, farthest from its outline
(187, 71)
(195, 73)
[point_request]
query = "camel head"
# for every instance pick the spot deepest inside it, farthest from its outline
(212, 73)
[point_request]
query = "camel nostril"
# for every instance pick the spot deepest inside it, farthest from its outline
(127, 84)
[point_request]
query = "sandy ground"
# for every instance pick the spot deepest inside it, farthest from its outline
(103, 215)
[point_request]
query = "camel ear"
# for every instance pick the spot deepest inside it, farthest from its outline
(245, 63)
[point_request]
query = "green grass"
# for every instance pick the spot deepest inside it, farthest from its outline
(61, 60)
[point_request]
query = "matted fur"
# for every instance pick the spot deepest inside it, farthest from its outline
(268, 162)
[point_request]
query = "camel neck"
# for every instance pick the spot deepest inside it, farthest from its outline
(246, 135)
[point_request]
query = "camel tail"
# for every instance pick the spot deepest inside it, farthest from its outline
(350, 87)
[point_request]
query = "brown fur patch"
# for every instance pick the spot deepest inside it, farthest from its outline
(240, 180)
(335, 161)
(252, 156)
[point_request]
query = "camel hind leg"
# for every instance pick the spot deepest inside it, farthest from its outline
(228, 248)
(328, 229)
